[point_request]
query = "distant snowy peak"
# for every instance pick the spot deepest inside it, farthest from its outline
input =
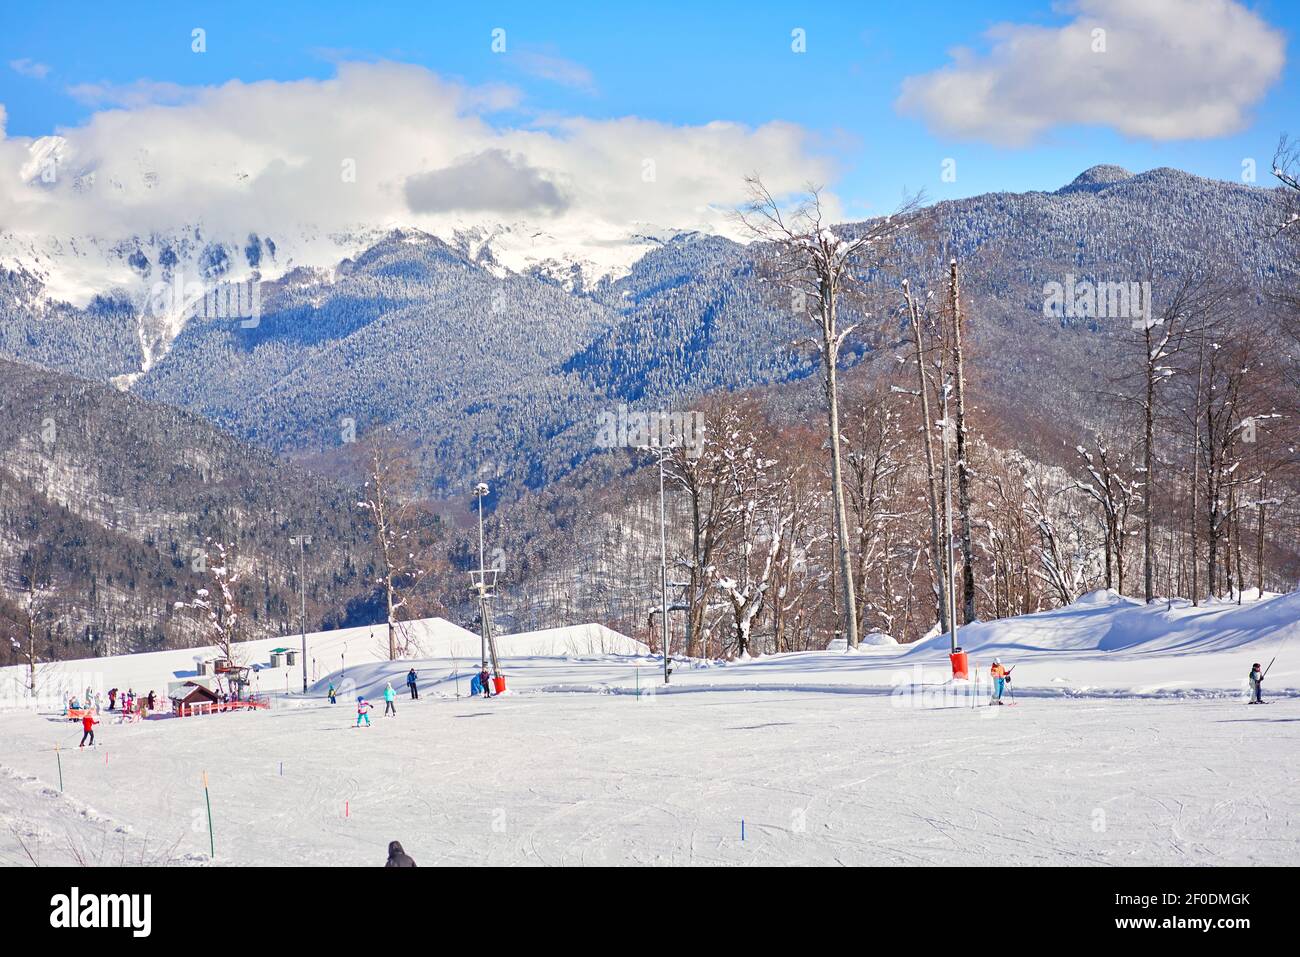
(1096, 178)
(573, 257)
(76, 269)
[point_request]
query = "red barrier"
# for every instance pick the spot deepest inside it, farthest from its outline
(960, 664)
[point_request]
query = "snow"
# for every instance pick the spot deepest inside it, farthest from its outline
(1130, 744)
(328, 652)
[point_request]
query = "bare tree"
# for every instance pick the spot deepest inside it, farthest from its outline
(220, 616)
(819, 265)
(707, 479)
(877, 464)
(392, 512)
(1161, 338)
(939, 566)
(1112, 490)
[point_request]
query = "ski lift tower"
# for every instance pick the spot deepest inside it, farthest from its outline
(483, 584)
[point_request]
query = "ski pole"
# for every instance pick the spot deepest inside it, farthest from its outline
(1270, 665)
(212, 841)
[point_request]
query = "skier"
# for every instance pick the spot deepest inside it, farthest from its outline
(484, 680)
(1256, 685)
(332, 694)
(88, 723)
(363, 711)
(389, 697)
(112, 698)
(398, 857)
(410, 684)
(999, 674)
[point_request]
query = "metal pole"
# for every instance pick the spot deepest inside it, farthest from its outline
(947, 525)
(482, 586)
(663, 567)
(303, 541)
(480, 533)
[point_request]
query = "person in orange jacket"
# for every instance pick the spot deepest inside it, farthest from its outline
(999, 674)
(88, 723)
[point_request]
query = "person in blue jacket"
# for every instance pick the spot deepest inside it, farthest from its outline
(390, 696)
(410, 684)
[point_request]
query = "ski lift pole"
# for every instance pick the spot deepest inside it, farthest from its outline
(663, 568)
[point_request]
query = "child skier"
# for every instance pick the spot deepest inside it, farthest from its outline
(999, 674)
(410, 684)
(390, 696)
(363, 711)
(1256, 685)
(88, 723)
(484, 680)
(331, 694)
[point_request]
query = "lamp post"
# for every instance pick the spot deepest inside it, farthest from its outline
(480, 492)
(663, 568)
(302, 541)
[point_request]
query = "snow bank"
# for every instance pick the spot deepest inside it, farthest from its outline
(327, 651)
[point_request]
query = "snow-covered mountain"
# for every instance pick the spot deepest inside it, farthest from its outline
(148, 273)
(525, 331)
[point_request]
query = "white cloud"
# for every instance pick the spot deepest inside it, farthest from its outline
(1170, 69)
(270, 156)
(29, 68)
(130, 95)
(557, 69)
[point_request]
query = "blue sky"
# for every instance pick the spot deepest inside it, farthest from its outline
(679, 63)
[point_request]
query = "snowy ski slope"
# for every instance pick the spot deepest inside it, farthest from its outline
(1130, 743)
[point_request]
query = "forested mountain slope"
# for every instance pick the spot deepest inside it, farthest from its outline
(105, 500)
(493, 372)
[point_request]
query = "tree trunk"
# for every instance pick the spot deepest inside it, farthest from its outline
(940, 573)
(837, 490)
(1148, 546)
(963, 471)
(1259, 555)
(1196, 466)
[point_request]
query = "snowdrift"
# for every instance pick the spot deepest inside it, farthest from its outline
(1103, 621)
(522, 656)
(327, 651)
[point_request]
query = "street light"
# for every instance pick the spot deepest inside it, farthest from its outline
(302, 541)
(480, 492)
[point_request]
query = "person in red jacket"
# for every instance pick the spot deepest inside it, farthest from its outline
(88, 723)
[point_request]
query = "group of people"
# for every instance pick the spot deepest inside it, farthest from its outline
(125, 702)
(480, 684)
(130, 702)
